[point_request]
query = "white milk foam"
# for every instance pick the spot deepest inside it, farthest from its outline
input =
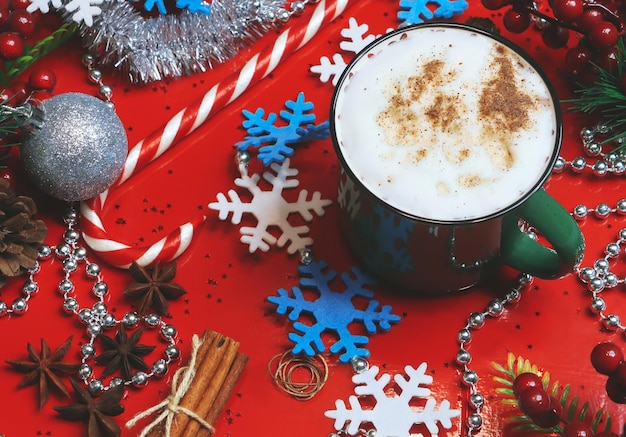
(446, 124)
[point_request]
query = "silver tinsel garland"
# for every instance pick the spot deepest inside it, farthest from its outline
(150, 49)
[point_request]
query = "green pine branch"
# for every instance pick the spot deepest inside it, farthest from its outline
(599, 420)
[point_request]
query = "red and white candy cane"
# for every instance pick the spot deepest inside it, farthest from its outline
(182, 124)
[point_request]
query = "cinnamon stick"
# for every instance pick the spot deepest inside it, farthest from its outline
(227, 388)
(212, 383)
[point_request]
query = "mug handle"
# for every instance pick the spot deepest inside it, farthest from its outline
(553, 222)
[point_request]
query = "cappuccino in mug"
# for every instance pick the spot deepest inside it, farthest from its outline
(445, 124)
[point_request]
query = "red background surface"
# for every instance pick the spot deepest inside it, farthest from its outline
(227, 287)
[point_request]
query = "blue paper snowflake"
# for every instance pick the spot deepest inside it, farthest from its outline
(191, 5)
(274, 141)
(332, 311)
(385, 239)
(416, 11)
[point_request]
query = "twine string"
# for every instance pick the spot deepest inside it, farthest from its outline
(181, 383)
(288, 365)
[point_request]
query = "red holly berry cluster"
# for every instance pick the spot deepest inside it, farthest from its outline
(545, 410)
(16, 25)
(599, 24)
(608, 359)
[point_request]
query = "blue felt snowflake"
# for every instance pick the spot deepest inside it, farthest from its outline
(385, 239)
(332, 311)
(416, 11)
(191, 5)
(274, 142)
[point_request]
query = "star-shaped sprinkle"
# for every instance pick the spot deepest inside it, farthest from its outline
(123, 353)
(153, 287)
(95, 412)
(44, 368)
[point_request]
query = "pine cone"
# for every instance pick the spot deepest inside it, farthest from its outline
(20, 234)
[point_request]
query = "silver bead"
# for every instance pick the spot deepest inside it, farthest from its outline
(618, 167)
(152, 320)
(71, 236)
(611, 156)
(168, 332)
(159, 368)
(243, 157)
(94, 329)
(100, 289)
(85, 315)
(88, 350)
(283, 15)
(359, 364)
(117, 381)
(130, 320)
(139, 379)
(463, 357)
(586, 274)
(19, 306)
(602, 210)
(94, 75)
(476, 400)
(110, 105)
(476, 320)
(70, 305)
(44, 252)
(580, 212)
(99, 308)
(602, 129)
(596, 284)
(306, 256)
(593, 148)
(70, 216)
(495, 308)
(87, 59)
(370, 433)
(95, 387)
(92, 269)
(474, 421)
(600, 168)
(587, 133)
(611, 321)
(464, 335)
(106, 91)
(66, 286)
(35, 268)
(612, 250)
(108, 321)
(621, 206)
(3, 308)
(172, 352)
(297, 8)
(601, 265)
(610, 280)
(622, 234)
(30, 287)
(85, 371)
(578, 164)
(63, 250)
(513, 296)
(598, 304)
(80, 253)
(70, 265)
(559, 165)
(470, 377)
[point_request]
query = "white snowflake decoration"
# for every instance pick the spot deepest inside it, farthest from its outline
(271, 209)
(84, 10)
(355, 41)
(393, 415)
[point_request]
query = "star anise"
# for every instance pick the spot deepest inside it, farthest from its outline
(123, 353)
(95, 412)
(44, 368)
(154, 287)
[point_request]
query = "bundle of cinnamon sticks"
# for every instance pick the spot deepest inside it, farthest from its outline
(218, 367)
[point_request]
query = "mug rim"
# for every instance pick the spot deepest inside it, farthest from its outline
(466, 27)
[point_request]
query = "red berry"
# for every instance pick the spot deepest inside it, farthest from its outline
(620, 374)
(555, 36)
(516, 21)
(494, 5)
(11, 45)
(4, 14)
(589, 18)
(8, 175)
(22, 22)
(18, 4)
(577, 429)
(567, 10)
(534, 401)
(42, 79)
(525, 381)
(603, 34)
(550, 418)
(606, 59)
(605, 357)
(578, 58)
(615, 391)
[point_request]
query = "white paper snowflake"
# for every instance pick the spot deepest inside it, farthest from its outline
(83, 10)
(393, 415)
(355, 40)
(271, 209)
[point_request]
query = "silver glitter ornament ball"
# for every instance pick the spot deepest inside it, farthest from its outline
(80, 149)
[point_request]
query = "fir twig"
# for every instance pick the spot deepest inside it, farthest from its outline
(38, 50)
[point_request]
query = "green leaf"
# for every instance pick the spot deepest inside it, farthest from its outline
(503, 381)
(583, 412)
(554, 391)
(505, 391)
(571, 410)
(564, 395)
